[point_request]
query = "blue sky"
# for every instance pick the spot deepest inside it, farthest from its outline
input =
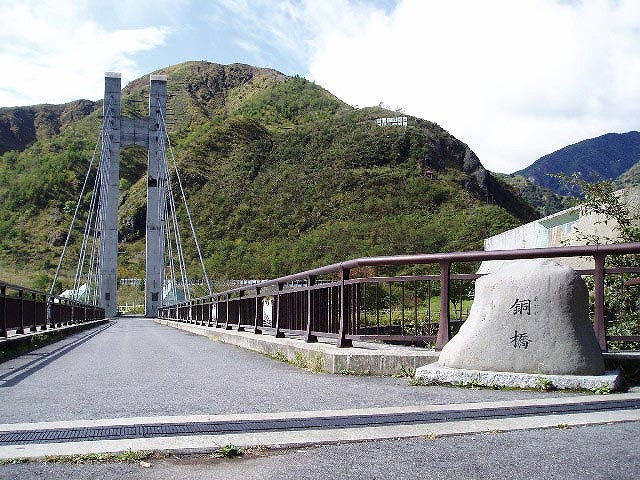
(514, 80)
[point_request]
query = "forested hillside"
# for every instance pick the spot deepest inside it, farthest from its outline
(280, 176)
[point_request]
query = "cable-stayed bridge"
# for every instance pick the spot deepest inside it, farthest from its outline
(115, 371)
(95, 277)
(355, 300)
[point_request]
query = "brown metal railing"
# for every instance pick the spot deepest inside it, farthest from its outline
(23, 309)
(391, 308)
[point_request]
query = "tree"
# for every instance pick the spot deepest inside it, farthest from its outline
(622, 301)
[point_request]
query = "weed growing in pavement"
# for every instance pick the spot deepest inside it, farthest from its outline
(13, 461)
(279, 356)
(346, 371)
(545, 385)
(405, 372)
(603, 389)
(228, 451)
(473, 384)
(317, 363)
(417, 382)
(130, 456)
(299, 360)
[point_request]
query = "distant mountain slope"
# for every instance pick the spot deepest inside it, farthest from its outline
(21, 126)
(544, 200)
(279, 173)
(604, 157)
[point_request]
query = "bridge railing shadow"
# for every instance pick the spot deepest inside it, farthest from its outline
(352, 300)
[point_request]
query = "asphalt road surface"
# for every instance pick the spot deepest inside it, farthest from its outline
(135, 367)
(591, 452)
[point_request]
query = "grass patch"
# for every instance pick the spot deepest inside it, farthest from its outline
(13, 461)
(405, 372)
(130, 456)
(228, 451)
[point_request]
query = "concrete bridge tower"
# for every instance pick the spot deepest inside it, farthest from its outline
(146, 132)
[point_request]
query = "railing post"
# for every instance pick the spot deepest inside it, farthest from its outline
(240, 328)
(34, 300)
(444, 325)
(311, 281)
(599, 325)
(344, 310)
(3, 311)
(21, 295)
(259, 312)
(226, 320)
(279, 334)
(48, 313)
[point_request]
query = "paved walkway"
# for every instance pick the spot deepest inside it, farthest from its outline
(592, 452)
(133, 367)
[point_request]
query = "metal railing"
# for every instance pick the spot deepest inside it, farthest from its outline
(23, 309)
(381, 308)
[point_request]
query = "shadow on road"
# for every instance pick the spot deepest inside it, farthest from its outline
(16, 375)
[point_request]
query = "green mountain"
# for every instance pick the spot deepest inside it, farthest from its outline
(600, 158)
(21, 126)
(544, 200)
(280, 176)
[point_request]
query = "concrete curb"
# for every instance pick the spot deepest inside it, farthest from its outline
(322, 436)
(611, 380)
(367, 359)
(65, 330)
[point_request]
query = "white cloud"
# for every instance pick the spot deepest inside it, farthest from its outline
(515, 80)
(51, 52)
(286, 31)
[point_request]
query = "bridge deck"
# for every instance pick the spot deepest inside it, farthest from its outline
(135, 367)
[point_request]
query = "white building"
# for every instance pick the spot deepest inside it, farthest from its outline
(573, 226)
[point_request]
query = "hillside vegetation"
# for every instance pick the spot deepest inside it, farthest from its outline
(544, 200)
(280, 175)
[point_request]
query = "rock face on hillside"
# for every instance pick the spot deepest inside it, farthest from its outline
(21, 126)
(478, 179)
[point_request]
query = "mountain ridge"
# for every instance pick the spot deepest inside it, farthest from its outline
(605, 157)
(280, 175)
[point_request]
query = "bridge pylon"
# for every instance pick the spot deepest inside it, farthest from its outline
(147, 132)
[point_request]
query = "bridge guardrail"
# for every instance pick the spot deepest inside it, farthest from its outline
(379, 307)
(23, 309)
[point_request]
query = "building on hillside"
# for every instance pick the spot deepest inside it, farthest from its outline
(573, 226)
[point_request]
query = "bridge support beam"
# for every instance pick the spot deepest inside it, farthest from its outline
(110, 190)
(155, 173)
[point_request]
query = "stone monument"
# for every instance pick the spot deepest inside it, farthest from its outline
(529, 319)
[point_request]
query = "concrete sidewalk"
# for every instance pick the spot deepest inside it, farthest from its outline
(364, 358)
(297, 428)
